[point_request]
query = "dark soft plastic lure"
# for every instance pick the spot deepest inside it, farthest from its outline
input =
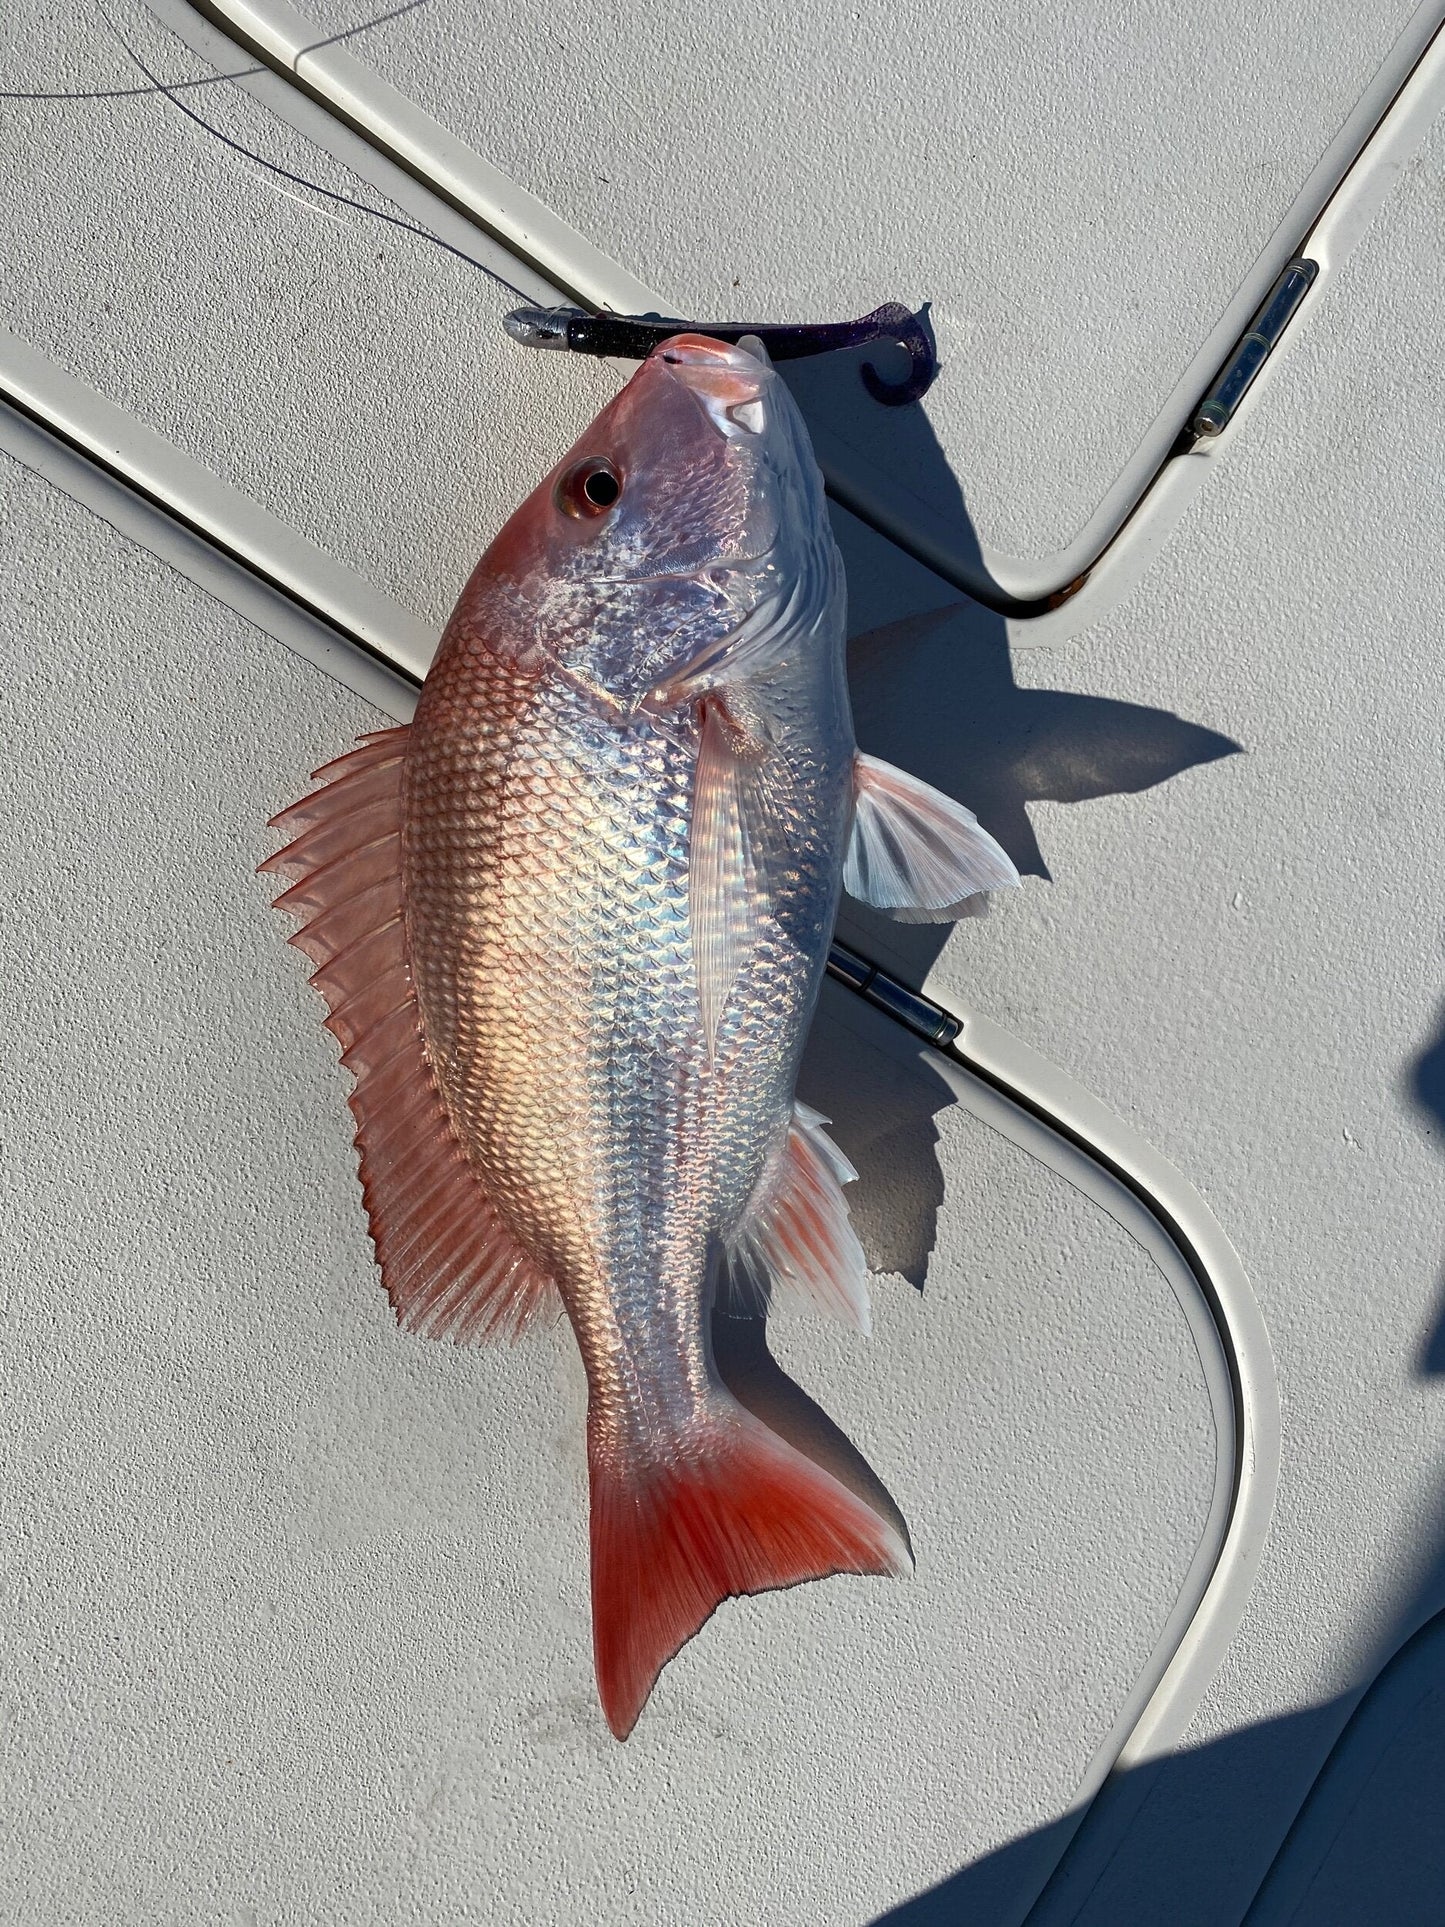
(630, 337)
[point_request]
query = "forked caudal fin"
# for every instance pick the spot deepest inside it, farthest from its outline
(735, 1510)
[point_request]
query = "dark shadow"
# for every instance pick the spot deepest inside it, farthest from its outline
(867, 1076)
(934, 691)
(855, 434)
(1319, 1814)
(1328, 1816)
(1427, 1088)
(1002, 1886)
(882, 1105)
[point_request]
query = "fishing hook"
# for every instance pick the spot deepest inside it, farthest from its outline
(633, 338)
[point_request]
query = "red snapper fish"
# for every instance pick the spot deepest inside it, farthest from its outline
(572, 925)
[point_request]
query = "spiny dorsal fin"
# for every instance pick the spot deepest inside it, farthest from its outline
(796, 1232)
(450, 1265)
(914, 852)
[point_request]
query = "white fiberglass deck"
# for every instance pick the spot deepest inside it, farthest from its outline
(296, 1610)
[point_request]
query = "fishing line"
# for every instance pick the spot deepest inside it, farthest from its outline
(624, 336)
(119, 93)
(168, 89)
(205, 80)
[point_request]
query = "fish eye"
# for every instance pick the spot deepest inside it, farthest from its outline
(589, 488)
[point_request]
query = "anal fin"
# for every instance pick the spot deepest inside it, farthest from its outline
(450, 1264)
(796, 1232)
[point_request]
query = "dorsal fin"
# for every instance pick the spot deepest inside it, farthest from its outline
(451, 1267)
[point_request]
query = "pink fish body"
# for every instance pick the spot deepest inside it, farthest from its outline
(572, 926)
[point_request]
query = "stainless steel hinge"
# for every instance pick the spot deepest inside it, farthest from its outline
(1253, 349)
(924, 1018)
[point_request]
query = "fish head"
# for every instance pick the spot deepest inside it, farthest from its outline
(684, 532)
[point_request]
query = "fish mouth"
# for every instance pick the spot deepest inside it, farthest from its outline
(730, 384)
(746, 402)
(737, 391)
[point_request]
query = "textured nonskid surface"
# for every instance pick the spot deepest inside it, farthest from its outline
(1024, 170)
(1246, 962)
(345, 373)
(296, 1620)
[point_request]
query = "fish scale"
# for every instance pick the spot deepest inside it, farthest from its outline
(619, 1154)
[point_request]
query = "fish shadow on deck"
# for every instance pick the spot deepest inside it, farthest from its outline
(934, 691)
(931, 671)
(1427, 1090)
(882, 1096)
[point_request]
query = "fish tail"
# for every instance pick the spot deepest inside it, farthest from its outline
(733, 1510)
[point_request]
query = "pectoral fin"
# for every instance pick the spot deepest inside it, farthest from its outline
(724, 899)
(914, 852)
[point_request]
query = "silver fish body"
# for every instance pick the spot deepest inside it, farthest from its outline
(572, 927)
(550, 926)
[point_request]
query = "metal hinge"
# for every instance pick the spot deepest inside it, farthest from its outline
(915, 1013)
(1253, 349)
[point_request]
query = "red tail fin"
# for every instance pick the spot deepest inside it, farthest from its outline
(737, 1511)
